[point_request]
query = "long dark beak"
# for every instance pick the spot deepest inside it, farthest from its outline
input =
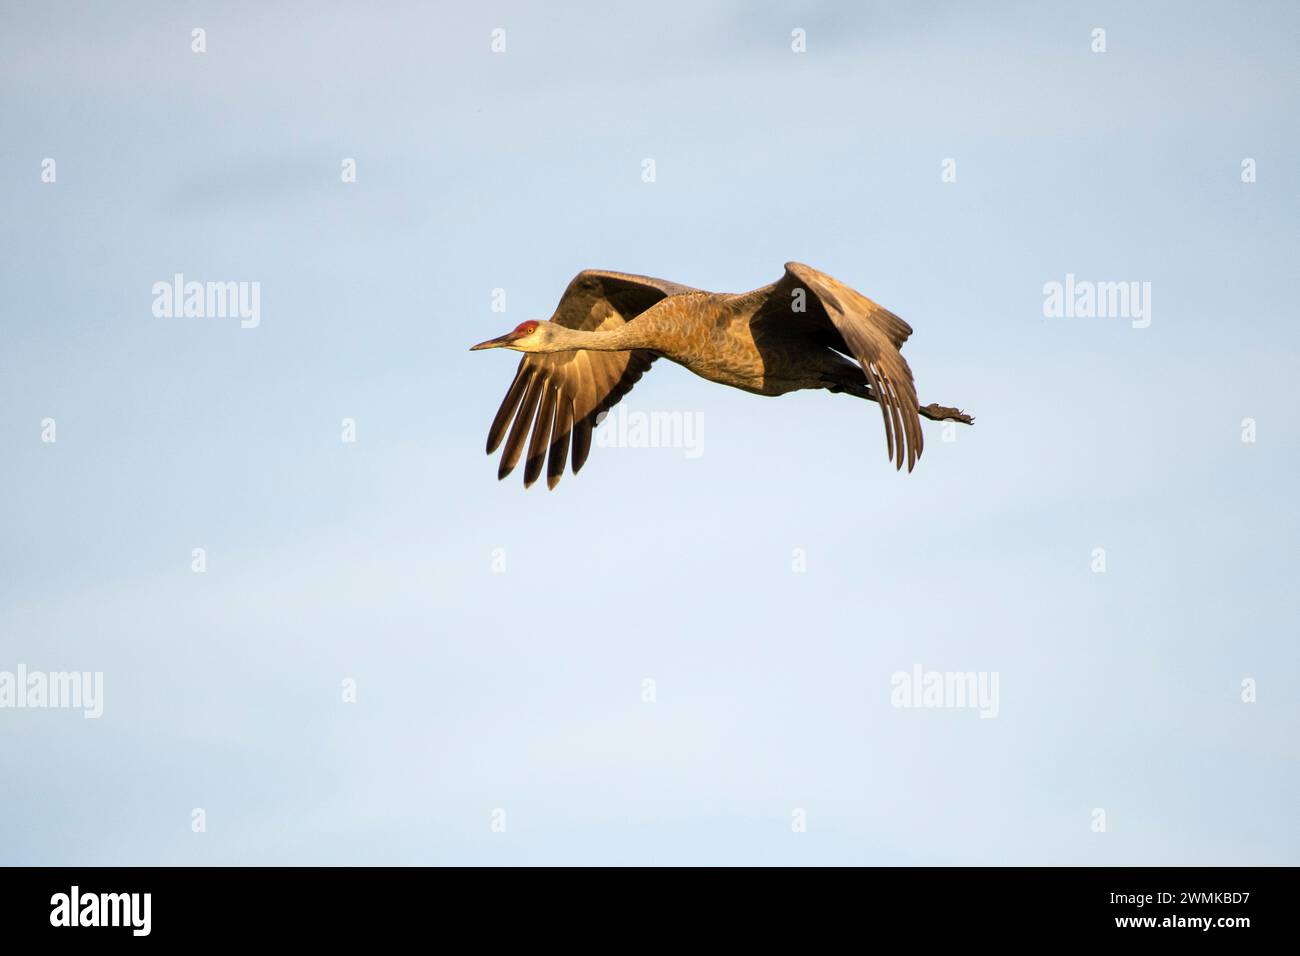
(495, 343)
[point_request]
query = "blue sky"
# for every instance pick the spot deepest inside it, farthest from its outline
(522, 691)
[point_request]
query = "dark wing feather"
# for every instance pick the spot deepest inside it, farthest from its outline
(853, 324)
(558, 397)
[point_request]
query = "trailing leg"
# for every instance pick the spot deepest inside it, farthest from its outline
(936, 413)
(942, 413)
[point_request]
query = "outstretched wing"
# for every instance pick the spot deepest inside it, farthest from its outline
(558, 396)
(851, 323)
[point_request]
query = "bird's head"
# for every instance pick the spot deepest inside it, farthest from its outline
(530, 336)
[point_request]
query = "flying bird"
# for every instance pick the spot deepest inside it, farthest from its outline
(806, 330)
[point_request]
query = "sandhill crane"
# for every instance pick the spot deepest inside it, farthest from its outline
(790, 335)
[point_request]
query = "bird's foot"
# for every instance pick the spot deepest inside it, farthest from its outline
(942, 413)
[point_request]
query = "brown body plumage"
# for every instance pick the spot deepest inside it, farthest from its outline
(797, 333)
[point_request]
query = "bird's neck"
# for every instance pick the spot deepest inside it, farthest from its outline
(662, 328)
(631, 335)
